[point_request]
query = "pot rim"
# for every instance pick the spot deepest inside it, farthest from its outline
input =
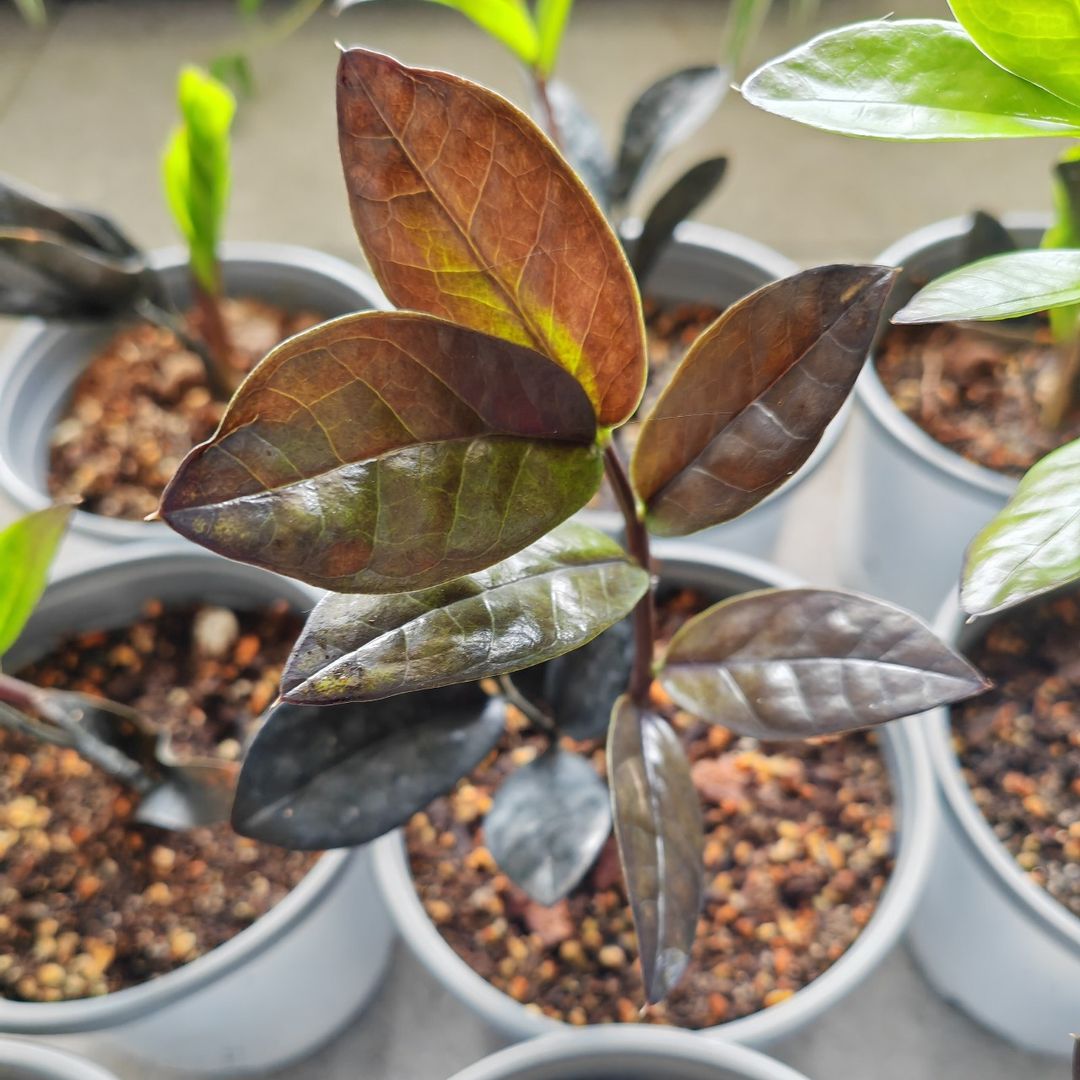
(873, 396)
(135, 1002)
(591, 1045)
(31, 332)
(47, 1062)
(717, 242)
(975, 829)
(915, 800)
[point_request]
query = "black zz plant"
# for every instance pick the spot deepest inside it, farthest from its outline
(420, 464)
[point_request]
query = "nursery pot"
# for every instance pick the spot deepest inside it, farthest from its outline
(627, 1053)
(286, 984)
(986, 936)
(719, 573)
(21, 1060)
(916, 505)
(712, 266)
(42, 361)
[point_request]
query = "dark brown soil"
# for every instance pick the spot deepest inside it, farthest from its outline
(91, 902)
(799, 848)
(978, 391)
(143, 402)
(1019, 743)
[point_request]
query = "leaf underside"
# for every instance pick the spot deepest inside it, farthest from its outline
(389, 451)
(796, 663)
(754, 394)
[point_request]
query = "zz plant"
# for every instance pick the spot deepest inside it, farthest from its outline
(420, 465)
(987, 76)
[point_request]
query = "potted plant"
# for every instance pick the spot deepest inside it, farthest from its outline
(689, 272)
(25, 1061)
(418, 463)
(604, 1053)
(956, 413)
(132, 924)
(139, 351)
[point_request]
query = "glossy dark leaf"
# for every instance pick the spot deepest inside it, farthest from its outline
(548, 823)
(659, 830)
(467, 211)
(986, 237)
(754, 394)
(582, 687)
(553, 597)
(665, 115)
(386, 452)
(580, 139)
(345, 774)
(675, 205)
(794, 663)
(1076, 1058)
(1033, 544)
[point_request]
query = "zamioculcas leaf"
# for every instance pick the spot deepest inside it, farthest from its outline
(26, 552)
(1035, 39)
(754, 394)
(548, 823)
(986, 237)
(658, 827)
(1033, 545)
(1064, 232)
(911, 79)
(551, 16)
(467, 211)
(580, 139)
(665, 115)
(675, 205)
(1001, 287)
(793, 663)
(550, 598)
(346, 774)
(389, 451)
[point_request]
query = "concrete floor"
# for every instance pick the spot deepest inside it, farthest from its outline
(86, 105)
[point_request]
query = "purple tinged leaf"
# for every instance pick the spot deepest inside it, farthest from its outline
(659, 831)
(797, 663)
(547, 824)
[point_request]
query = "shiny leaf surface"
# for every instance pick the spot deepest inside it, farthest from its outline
(27, 548)
(754, 394)
(553, 597)
(1035, 39)
(580, 139)
(908, 79)
(664, 116)
(1001, 287)
(386, 452)
(659, 831)
(548, 823)
(343, 775)
(675, 205)
(795, 663)
(466, 211)
(1033, 545)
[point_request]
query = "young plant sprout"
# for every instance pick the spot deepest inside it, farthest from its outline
(171, 792)
(63, 262)
(420, 465)
(663, 117)
(985, 77)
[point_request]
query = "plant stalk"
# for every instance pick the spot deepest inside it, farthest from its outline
(637, 542)
(1061, 401)
(211, 328)
(533, 713)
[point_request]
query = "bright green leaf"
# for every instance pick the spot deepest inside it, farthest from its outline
(555, 596)
(1039, 40)
(1033, 545)
(1064, 232)
(913, 79)
(195, 169)
(26, 553)
(1001, 287)
(551, 17)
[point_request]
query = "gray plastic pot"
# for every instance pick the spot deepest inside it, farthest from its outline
(712, 266)
(627, 1053)
(21, 1060)
(281, 988)
(42, 361)
(987, 937)
(717, 573)
(915, 505)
